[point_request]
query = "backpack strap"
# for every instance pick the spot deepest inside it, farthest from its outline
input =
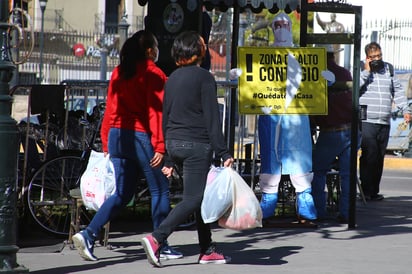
(388, 66)
(391, 72)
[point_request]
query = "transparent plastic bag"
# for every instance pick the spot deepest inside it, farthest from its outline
(245, 212)
(217, 197)
(98, 181)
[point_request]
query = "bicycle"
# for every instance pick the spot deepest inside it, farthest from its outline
(49, 196)
(48, 193)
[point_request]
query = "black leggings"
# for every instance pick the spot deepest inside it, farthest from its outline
(195, 158)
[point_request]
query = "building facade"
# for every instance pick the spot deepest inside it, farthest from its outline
(80, 39)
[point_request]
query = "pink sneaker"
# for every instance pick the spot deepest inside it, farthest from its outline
(211, 256)
(152, 248)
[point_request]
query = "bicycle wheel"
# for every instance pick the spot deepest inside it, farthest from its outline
(48, 194)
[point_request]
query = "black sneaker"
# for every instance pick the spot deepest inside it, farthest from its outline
(341, 219)
(84, 246)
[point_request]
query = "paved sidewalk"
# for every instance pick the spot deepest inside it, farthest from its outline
(381, 243)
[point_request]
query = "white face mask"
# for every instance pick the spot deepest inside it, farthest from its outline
(283, 37)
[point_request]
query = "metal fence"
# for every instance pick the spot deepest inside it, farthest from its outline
(70, 56)
(395, 37)
(74, 54)
(48, 128)
(78, 55)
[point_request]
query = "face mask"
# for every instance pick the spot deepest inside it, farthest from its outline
(376, 65)
(283, 37)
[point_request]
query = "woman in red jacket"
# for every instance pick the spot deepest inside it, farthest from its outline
(132, 134)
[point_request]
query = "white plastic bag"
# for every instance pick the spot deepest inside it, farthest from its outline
(245, 212)
(97, 182)
(217, 197)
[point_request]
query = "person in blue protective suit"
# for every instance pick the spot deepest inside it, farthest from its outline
(285, 146)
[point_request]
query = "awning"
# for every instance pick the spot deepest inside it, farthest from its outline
(255, 6)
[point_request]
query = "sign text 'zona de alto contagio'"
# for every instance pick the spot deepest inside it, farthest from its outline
(277, 80)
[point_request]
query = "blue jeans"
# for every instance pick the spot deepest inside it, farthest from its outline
(329, 145)
(195, 158)
(131, 152)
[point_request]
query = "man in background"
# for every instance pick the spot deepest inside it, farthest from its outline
(379, 90)
(334, 140)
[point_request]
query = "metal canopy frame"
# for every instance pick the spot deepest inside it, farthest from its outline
(335, 6)
(340, 38)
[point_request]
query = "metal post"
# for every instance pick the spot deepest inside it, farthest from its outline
(103, 63)
(243, 24)
(17, 19)
(43, 4)
(230, 128)
(355, 117)
(374, 36)
(9, 143)
(346, 62)
(123, 29)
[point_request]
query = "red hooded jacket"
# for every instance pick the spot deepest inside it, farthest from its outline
(136, 104)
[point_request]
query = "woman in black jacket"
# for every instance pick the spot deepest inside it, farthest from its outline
(192, 133)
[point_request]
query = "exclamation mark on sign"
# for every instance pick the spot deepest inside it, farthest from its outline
(249, 62)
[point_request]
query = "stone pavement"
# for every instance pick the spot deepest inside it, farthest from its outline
(380, 243)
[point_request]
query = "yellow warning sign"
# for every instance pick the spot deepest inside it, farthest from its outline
(278, 80)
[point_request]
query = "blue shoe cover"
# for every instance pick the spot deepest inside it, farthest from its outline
(268, 204)
(305, 205)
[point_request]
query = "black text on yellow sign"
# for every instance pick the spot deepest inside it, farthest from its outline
(268, 86)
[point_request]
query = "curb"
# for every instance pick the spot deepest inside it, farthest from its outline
(398, 163)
